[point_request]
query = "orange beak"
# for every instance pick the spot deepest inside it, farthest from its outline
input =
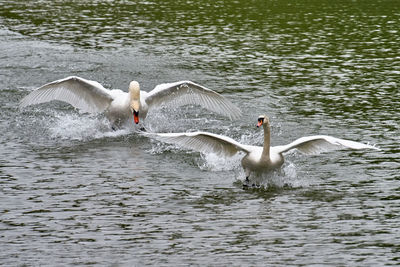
(260, 122)
(136, 116)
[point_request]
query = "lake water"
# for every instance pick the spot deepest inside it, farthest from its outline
(73, 192)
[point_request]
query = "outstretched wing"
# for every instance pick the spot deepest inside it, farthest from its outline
(321, 143)
(203, 142)
(86, 95)
(187, 92)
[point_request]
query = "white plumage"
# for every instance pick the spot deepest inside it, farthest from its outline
(257, 159)
(91, 96)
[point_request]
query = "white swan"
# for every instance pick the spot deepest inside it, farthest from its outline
(257, 159)
(91, 96)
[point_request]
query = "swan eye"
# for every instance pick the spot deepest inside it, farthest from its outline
(260, 119)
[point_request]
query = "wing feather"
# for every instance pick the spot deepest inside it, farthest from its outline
(203, 142)
(88, 96)
(322, 143)
(187, 92)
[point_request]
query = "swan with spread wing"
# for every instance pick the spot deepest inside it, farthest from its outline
(119, 106)
(257, 159)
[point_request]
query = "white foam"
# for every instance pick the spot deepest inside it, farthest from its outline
(214, 162)
(284, 177)
(78, 127)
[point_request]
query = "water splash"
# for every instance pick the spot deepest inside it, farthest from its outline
(285, 177)
(214, 162)
(77, 127)
(159, 148)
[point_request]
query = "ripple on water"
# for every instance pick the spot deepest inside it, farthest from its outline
(74, 192)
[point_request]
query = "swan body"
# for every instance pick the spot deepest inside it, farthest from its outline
(119, 106)
(257, 159)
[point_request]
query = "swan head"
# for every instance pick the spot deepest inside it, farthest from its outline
(262, 119)
(134, 91)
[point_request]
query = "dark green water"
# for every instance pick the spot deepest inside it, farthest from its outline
(75, 193)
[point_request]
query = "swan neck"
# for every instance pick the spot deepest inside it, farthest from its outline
(134, 91)
(267, 141)
(134, 95)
